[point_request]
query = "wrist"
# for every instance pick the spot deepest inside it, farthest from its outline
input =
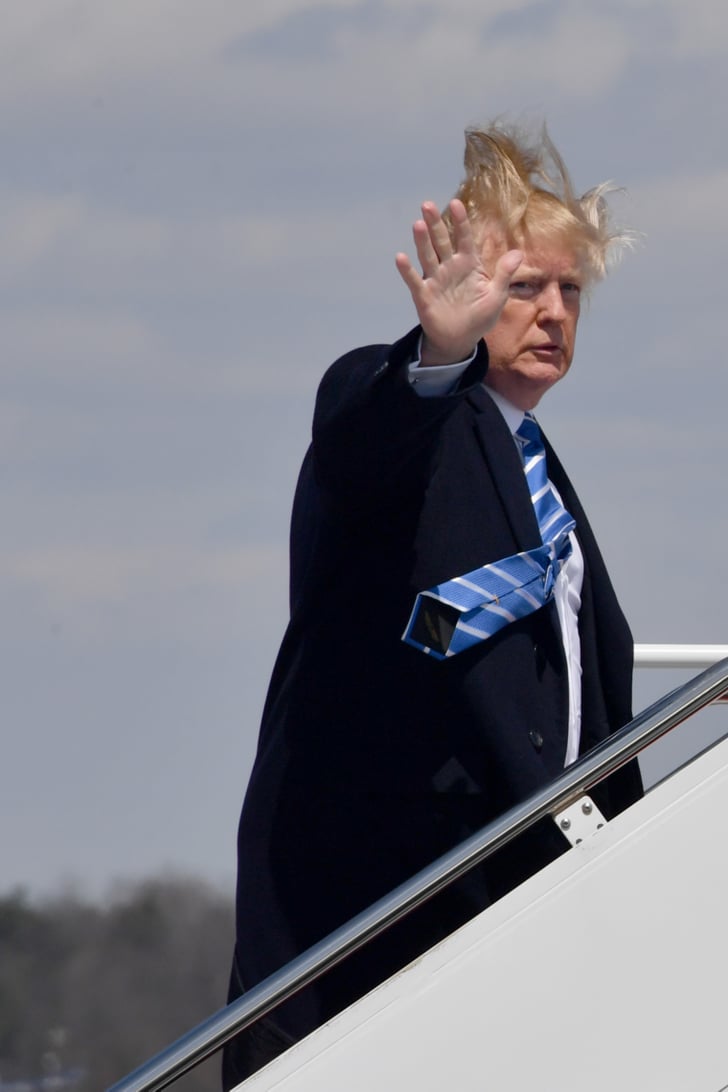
(431, 356)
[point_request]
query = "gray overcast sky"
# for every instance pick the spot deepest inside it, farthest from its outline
(199, 208)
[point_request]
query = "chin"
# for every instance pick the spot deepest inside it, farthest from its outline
(538, 384)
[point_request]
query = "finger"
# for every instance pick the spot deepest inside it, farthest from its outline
(458, 210)
(439, 234)
(407, 272)
(426, 252)
(462, 228)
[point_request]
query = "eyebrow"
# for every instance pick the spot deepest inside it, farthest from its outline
(531, 272)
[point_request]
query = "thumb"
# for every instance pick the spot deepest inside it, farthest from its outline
(500, 282)
(505, 267)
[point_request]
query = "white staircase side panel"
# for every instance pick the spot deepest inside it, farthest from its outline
(607, 970)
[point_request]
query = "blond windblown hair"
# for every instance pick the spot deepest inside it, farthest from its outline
(517, 184)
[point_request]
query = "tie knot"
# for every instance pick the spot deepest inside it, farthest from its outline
(528, 430)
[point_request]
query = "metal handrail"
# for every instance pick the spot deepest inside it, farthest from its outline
(603, 760)
(694, 656)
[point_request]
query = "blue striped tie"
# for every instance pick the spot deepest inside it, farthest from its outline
(461, 612)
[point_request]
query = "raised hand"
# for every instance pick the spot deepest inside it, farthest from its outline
(457, 300)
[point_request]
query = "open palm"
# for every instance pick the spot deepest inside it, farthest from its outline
(457, 300)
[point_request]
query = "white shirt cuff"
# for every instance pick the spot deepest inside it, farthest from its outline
(439, 379)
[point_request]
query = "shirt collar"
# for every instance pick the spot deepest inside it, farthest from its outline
(512, 415)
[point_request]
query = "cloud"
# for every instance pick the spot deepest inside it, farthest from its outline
(304, 59)
(32, 228)
(60, 45)
(105, 299)
(697, 29)
(683, 205)
(71, 345)
(298, 62)
(103, 248)
(559, 47)
(64, 237)
(177, 594)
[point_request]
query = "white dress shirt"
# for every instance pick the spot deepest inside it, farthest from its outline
(438, 380)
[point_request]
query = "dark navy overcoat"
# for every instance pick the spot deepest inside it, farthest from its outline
(373, 758)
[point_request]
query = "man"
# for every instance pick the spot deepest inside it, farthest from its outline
(384, 743)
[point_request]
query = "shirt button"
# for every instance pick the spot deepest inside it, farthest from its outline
(536, 739)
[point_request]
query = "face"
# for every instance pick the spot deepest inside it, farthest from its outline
(532, 344)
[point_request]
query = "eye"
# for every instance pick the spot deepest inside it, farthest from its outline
(524, 290)
(570, 289)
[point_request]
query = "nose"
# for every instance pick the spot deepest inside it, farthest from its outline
(552, 303)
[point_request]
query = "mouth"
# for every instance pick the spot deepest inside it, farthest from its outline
(549, 348)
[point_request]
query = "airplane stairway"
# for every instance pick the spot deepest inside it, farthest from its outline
(606, 970)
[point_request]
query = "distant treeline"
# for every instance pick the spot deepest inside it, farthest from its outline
(90, 991)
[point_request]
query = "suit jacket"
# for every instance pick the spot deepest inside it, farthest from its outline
(374, 758)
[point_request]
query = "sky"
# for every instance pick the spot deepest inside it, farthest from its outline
(200, 203)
